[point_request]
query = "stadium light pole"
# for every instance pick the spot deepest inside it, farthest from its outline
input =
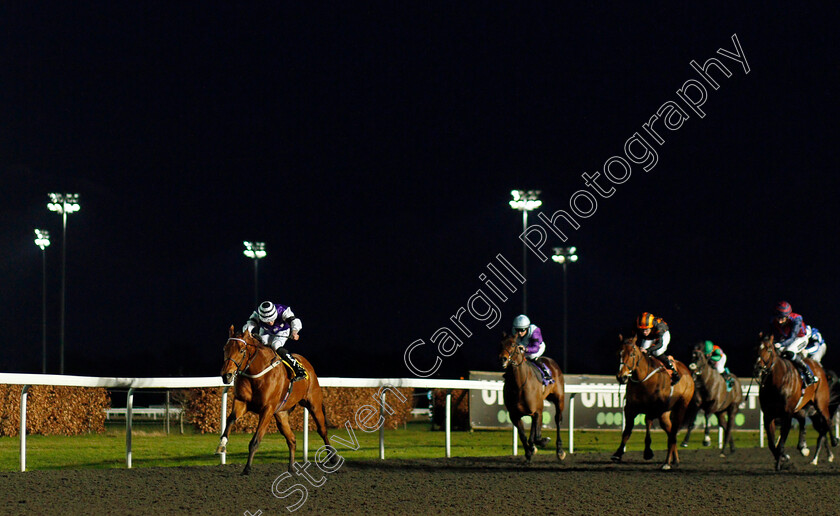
(64, 204)
(42, 240)
(564, 255)
(525, 201)
(255, 251)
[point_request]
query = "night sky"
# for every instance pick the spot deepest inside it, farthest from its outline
(374, 149)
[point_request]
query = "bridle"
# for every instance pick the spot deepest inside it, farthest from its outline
(637, 354)
(245, 356)
(697, 364)
(762, 366)
(511, 353)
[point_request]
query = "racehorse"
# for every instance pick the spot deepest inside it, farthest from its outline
(524, 394)
(711, 396)
(781, 395)
(650, 392)
(262, 385)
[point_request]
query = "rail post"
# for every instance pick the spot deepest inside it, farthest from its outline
(382, 424)
(448, 424)
(515, 440)
(305, 434)
(224, 421)
(572, 423)
(23, 393)
(129, 406)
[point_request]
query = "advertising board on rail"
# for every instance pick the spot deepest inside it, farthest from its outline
(592, 410)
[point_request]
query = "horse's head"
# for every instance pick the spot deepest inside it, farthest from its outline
(766, 355)
(509, 352)
(698, 359)
(629, 356)
(239, 348)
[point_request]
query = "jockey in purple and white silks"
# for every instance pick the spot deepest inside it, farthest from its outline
(264, 324)
(529, 336)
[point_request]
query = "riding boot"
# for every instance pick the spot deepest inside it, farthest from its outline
(300, 372)
(727, 377)
(675, 376)
(806, 371)
(547, 379)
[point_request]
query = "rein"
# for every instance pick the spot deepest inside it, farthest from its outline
(241, 370)
(636, 363)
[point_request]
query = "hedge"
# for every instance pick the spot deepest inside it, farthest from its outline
(54, 410)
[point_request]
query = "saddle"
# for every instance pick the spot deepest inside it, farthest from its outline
(542, 371)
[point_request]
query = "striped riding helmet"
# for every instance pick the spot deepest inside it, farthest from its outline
(783, 309)
(268, 312)
(645, 321)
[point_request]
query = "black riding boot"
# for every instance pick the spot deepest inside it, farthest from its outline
(806, 371)
(300, 372)
(675, 376)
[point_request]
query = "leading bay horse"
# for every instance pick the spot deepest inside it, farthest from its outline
(782, 396)
(711, 396)
(649, 392)
(524, 394)
(262, 385)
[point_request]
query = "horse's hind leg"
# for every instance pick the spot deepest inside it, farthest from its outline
(648, 451)
(282, 419)
(239, 408)
(821, 425)
(262, 427)
(802, 445)
(691, 424)
(629, 420)
(319, 414)
(558, 417)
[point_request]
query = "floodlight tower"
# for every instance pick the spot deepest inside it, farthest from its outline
(525, 201)
(42, 240)
(564, 255)
(255, 251)
(64, 204)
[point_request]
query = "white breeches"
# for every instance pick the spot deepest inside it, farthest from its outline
(720, 365)
(816, 353)
(666, 338)
(797, 346)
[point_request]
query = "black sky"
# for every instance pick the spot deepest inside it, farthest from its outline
(373, 149)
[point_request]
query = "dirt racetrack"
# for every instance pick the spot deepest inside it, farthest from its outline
(585, 484)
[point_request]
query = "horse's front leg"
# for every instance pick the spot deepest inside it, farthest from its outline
(239, 408)
(630, 414)
(262, 427)
(707, 438)
(527, 446)
(780, 448)
(671, 428)
(648, 450)
(770, 430)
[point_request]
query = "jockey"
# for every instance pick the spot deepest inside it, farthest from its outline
(654, 335)
(529, 336)
(717, 358)
(815, 350)
(264, 325)
(791, 336)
